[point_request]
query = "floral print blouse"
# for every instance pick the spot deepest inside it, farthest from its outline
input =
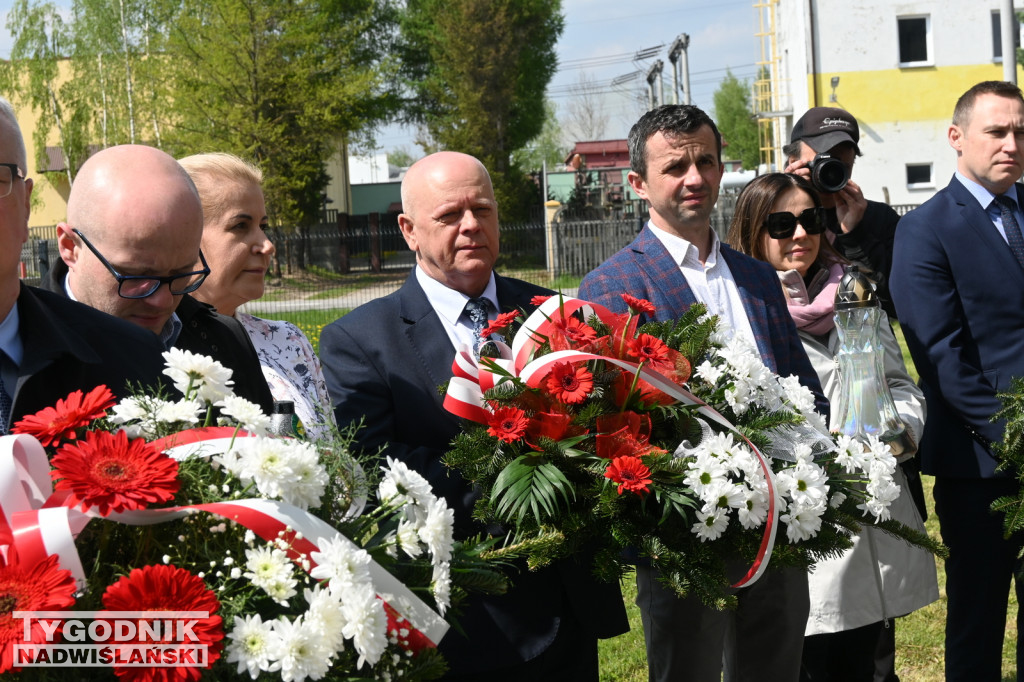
(292, 370)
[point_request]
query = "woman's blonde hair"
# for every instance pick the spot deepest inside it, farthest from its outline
(211, 171)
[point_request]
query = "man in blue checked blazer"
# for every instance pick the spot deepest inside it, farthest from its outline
(676, 260)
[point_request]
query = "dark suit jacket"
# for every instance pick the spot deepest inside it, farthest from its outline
(384, 361)
(206, 332)
(960, 296)
(69, 346)
(645, 269)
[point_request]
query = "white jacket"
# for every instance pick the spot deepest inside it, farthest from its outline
(881, 576)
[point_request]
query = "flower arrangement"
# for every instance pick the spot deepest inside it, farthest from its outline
(265, 544)
(666, 443)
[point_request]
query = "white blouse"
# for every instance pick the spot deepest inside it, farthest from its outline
(292, 370)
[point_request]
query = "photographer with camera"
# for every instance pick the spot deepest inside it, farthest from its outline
(822, 149)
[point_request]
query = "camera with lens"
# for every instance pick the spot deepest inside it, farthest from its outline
(828, 174)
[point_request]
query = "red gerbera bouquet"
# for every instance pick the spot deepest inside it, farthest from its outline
(665, 441)
(192, 546)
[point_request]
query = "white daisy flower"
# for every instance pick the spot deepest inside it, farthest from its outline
(802, 522)
(197, 375)
(251, 646)
(754, 511)
(710, 524)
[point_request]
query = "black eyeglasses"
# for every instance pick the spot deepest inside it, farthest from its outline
(8, 172)
(141, 286)
(783, 225)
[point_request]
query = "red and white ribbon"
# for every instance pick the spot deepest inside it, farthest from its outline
(36, 527)
(472, 378)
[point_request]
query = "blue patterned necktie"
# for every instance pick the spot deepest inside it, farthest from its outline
(476, 310)
(1010, 226)
(5, 397)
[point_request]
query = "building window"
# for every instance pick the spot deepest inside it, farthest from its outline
(919, 175)
(997, 36)
(915, 37)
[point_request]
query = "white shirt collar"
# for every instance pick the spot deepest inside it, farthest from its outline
(448, 302)
(683, 251)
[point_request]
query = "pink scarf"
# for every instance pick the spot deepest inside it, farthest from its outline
(812, 305)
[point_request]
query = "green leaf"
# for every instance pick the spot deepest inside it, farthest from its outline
(533, 484)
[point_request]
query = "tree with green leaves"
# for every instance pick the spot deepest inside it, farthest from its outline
(547, 147)
(736, 121)
(476, 72)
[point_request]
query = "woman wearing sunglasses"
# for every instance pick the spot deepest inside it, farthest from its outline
(854, 597)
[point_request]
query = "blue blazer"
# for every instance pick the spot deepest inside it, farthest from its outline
(645, 269)
(383, 363)
(959, 293)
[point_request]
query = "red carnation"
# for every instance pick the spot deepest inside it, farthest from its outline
(507, 424)
(568, 383)
(51, 425)
(43, 587)
(539, 300)
(168, 588)
(647, 348)
(499, 323)
(641, 306)
(108, 472)
(630, 473)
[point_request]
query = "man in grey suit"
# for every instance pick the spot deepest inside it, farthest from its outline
(384, 361)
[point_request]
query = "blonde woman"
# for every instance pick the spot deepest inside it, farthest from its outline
(238, 252)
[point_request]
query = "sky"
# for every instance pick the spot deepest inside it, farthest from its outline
(601, 40)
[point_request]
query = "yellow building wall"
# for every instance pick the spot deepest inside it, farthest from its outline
(917, 94)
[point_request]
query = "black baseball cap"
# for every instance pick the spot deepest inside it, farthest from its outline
(822, 128)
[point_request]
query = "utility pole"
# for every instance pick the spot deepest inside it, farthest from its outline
(1007, 19)
(654, 74)
(679, 47)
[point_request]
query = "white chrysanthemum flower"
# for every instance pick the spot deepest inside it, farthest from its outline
(881, 493)
(325, 617)
(270, 569)
(343, 564)
(754, 511)
(267, 461)
(408, 539)
(178, 411)
(366, 623)
(710, 524)
(301, 652)
(704, 470)
(802, 522)
(806, 484)
(128, 410)
(403, 487)
(249, 415)
(436, 531)
(709, 373)
(308, 479)
(252, 644)
(441, 582)
(802, 453)
(197, 375)
(724, 495)
(837, 500)
(851, 454)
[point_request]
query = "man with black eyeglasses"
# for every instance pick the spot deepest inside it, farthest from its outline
(130, 247)
(50, 346)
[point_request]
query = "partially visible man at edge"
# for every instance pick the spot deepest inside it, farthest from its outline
(50, 346)
(675, 158)
(130, 247)
(384, 361)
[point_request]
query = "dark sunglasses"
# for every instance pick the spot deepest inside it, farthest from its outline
(783, 225)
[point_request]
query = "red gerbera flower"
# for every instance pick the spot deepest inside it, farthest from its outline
(568, 383)
(507, 424)
(43, 587)
(169, 588)
(621, 434)
(647, 348)
(499, 323)
(640, 306)
(568, 333)
(538, 300)
(630, 473)
(53, 424)
(108, 472)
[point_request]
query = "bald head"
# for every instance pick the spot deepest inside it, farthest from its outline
(140, 210)
(450, 219)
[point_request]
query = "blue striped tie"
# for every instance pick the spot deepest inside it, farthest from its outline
(1007, 207)
(476, 310)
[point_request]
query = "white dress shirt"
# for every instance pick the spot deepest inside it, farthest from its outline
(450, 306)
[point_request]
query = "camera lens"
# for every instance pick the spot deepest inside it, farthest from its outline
(828, 174)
